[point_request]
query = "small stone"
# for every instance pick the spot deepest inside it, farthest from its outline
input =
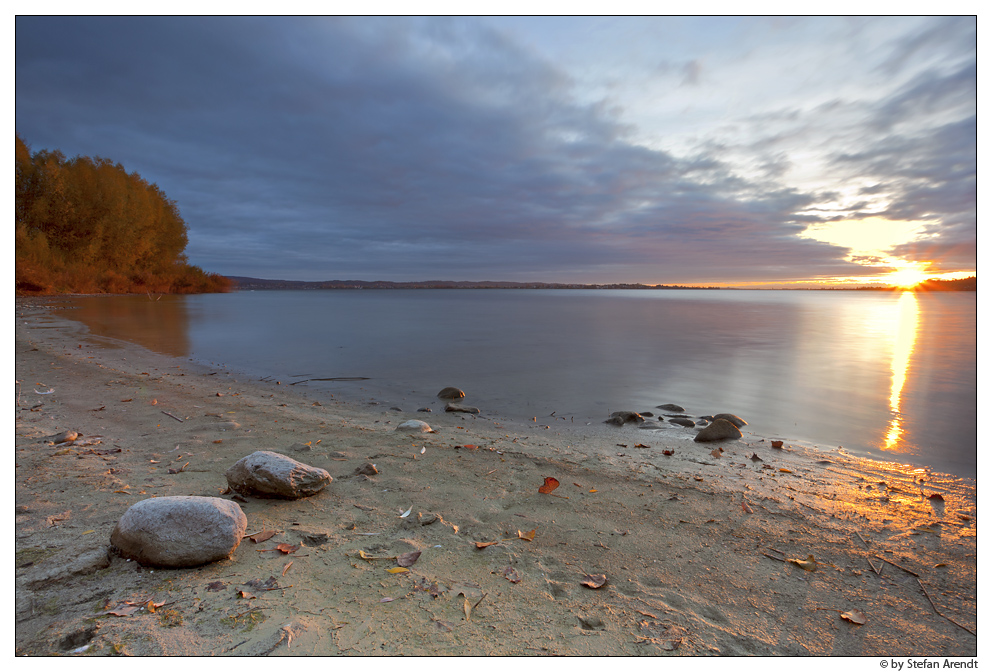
(731, 418)
(624, 417)
(450, 393)
(671, 407)
(367, 469)
(684, 422)
(414, 426)
(460, 408)
(425, 409)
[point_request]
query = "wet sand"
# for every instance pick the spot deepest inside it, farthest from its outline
(695, 547)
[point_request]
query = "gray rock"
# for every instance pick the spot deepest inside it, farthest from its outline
(452, 407)
(731, 418)
(268, 474)
(650, 424)
(671, 407)
(684, 422)
(718, 430)
(414, 426)
(179, 531)
(625, 417)
(450, 393)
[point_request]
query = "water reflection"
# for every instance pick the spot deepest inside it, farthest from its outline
(904, 333)
(161, 325)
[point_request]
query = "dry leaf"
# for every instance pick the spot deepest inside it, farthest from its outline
(668, 452)
(549, 485)
(854, 616)
(397, 570)
(529, 536)
(483, 544)
(245, 595)
(124, 609)
(785, 471)
(287, 548)
(746, 508)
(809, 564)
(215, 586)
(264, 535)
(286, 568)
(124, 401)
(407, 559)
(594, 490)
(776, 444)
(594, 580)
(406, 513)
(152, 605)
(641, 445)
(511, 575)
(386, 599)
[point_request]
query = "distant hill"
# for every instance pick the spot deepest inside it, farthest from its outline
(241, 282)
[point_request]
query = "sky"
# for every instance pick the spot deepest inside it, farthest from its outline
(741, 151)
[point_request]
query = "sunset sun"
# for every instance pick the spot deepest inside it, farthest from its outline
(906, 277)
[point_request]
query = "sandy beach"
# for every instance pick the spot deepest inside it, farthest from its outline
(751, 550)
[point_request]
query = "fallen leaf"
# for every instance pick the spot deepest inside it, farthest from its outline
(716, 453)
(511, 575)
(88, 532)
(641, 445)
(594, 580)
(218, 440)
(549, 485)
(264, 535)
(483, 544)
(266, 585)
(809, 564)
(529, 536)
(179, 470)
(407, 559)
(287, 548)
(397, 570)
(594, 491)
(245, 595)
(576, 485)
(386, 599)
(785, 471)
(854, 616)
(754, 456)
(441, 625)
(215, 586)
(124, 401)
(124, 610)
(746, 508)
(286, 568)
(152, 605)
(668, 452)
(776, 444)
(406, 513)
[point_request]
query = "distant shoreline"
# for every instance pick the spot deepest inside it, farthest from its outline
(246, 283)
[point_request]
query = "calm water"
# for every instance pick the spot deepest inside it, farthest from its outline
(884, 375)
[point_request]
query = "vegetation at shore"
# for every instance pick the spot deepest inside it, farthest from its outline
(86, 225)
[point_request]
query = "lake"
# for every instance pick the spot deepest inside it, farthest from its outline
(885, 375)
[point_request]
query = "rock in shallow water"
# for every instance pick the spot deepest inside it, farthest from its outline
(450, 393)
(685, 422)
(180, 531)
(461, 408)
(622, 417)
(731, 418)
(268, 474)
(717, 430)
(671, 407)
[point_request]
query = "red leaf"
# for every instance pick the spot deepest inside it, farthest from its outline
(511, 575)
(262, 536)
(483, 544)
(287, 548)
(549, 485)
(407, 559)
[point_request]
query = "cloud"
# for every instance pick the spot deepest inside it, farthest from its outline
(444, 149)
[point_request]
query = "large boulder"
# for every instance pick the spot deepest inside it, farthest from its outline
(718, 430)
(731, 418)
(450, 393)
(268, 474)
(181, 531)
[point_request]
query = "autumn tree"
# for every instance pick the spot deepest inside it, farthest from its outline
(87, 225)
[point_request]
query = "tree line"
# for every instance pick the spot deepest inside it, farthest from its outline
(86, 225)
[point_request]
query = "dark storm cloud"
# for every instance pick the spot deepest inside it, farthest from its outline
(405, 149)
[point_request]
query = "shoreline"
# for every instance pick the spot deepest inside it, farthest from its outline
(682, 539)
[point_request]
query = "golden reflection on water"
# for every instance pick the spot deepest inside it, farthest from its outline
(904, 333)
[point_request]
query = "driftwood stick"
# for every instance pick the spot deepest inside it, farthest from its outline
(172, 416)
(937, 611)
(861, 538)
(908, 571)
(877, 571)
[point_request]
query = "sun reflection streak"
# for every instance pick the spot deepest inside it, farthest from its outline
(905, 340)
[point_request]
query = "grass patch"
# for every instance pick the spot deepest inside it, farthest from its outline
(246, 620)
(170, 618)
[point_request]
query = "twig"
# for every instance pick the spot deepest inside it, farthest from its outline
(899, 566)
(877, 571)
(937, 611)
(773, 557)
(861, 538)
(172, 416)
